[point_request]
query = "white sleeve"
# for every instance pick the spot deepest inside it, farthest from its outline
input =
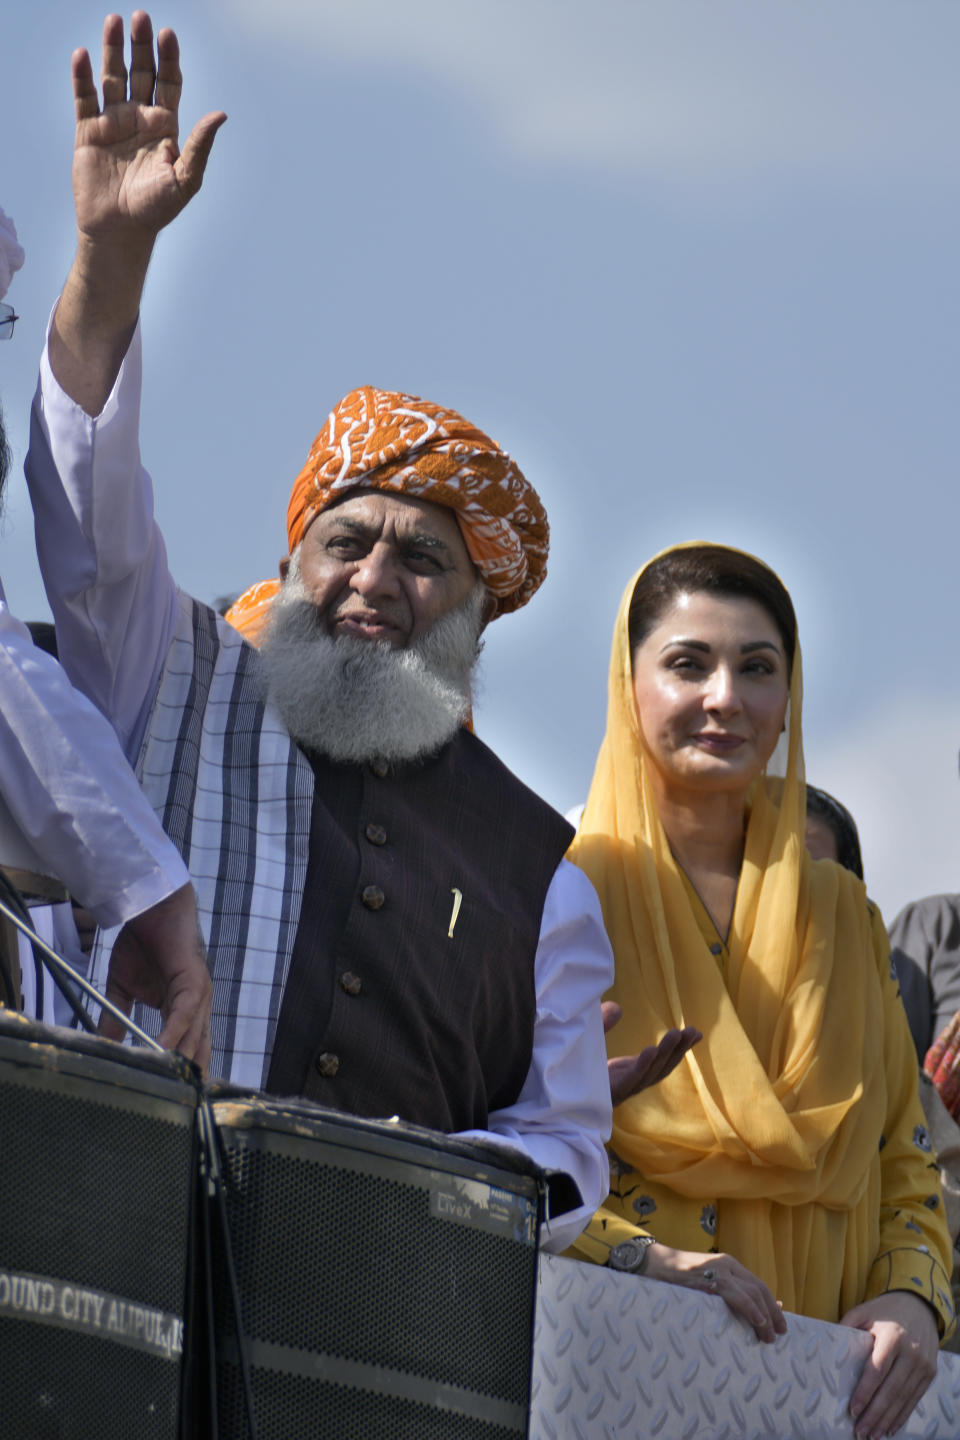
(70, 791)
(101, 554)
(563, 1114)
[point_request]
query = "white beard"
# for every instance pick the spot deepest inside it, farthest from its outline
(358, 700)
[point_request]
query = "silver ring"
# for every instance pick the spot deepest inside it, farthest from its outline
(709, 1275)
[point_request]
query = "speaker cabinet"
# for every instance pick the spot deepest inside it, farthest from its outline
(97, 1184)
(387, 1277)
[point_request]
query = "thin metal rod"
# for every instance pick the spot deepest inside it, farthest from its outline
(217, 1197)
(68, 973)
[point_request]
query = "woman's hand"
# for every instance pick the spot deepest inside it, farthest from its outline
(745, 1294)
(902, 1364)
(629, 1074)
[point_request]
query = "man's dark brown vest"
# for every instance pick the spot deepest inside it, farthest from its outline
(411, 987)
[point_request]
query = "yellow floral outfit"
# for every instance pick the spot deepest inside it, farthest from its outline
(791, 1136)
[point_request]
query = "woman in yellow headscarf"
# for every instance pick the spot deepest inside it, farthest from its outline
(785, 1159)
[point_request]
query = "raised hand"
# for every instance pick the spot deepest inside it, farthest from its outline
(130, 179)
(128, 171)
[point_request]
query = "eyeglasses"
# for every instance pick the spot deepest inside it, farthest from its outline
(7, 321)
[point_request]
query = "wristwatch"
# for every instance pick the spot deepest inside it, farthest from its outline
(630, 1256)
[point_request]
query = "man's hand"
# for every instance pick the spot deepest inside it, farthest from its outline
(130, 179)
(902, 1364)
(629, 1074)
(159, 960)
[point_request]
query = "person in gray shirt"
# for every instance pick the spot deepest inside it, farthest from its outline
(925, 949)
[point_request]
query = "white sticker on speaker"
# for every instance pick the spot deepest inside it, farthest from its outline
(482, 1207)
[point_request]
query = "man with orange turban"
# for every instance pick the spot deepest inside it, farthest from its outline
(391, 925)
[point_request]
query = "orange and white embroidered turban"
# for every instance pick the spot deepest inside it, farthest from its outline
(382, 440)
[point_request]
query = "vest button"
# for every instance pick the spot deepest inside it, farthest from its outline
(351, 983)
(379, 768)
(376, 834)
(327, 1065)
(716, 948)
(373, 897)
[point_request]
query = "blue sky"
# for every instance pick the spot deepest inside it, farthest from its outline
(692, 262)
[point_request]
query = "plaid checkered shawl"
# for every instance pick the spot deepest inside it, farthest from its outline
(234, 793)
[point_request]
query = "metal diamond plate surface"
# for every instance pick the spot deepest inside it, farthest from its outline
(618, 1356)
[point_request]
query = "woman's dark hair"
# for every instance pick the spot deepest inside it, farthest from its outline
(714, 570)
(842, 824)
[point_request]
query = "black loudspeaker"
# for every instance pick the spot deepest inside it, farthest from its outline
(387, 1278)
(97, 1185)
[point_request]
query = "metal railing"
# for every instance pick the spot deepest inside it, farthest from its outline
(619, 1356)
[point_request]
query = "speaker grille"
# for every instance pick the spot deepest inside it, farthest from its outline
(96, 1191)
(335, 1260)
(62, 1386)
(290, 1408)
(104, 1174)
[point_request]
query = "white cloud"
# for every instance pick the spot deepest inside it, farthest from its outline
(896, 771)
(683, 88)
